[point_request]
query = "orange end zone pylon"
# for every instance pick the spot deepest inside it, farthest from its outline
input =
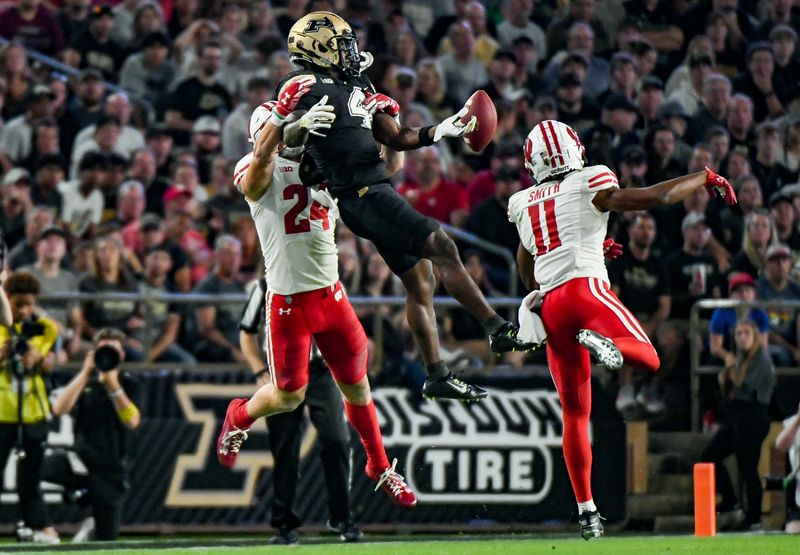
(705, 510)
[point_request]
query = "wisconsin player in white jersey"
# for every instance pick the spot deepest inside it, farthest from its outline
(562, 223)
(305, 300)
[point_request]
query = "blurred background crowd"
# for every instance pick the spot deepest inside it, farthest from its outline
(118, 176)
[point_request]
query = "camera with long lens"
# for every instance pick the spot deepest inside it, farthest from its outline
(28, 330)
(106, 358)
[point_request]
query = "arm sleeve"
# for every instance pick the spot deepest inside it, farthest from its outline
(251, 314)
(598, 178)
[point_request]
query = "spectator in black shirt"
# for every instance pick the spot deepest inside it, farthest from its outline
(713, 110)
(85, 109)
(489, 221)
(760, 83)
(784, 44)
(740, 124)
(730, 226)
(574, 109)
(74, 18)
(51, 170)
(201, 95)
(639, 278)
(782, 210)
(662, 165)
(96, 47)
(693, 273)
(152, 235)
(103, 403)
(765, 166)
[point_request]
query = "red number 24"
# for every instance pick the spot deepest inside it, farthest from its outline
(302, 225)
(550, 222)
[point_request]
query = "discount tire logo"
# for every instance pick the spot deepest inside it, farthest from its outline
(498, 451)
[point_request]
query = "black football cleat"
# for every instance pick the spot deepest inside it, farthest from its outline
(591, 525)
(452, 387)
(602, 348)
(505, 339)
(285, 536)
(348, 532)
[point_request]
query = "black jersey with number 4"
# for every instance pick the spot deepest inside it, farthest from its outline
(348, 155)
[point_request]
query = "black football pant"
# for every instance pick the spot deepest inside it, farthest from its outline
(745, 426)
(29, 471)
(106, 491)
(326, 410)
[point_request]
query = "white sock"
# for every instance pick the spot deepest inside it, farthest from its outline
(586, 506)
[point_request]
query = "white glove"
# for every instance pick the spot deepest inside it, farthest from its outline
(452, 126)
(531, 327)
(319, 116)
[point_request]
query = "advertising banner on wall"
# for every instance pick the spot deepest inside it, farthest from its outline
(495, 461)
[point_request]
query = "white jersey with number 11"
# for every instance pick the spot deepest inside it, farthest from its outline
(560, 226)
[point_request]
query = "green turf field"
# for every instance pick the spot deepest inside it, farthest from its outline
(729, 544)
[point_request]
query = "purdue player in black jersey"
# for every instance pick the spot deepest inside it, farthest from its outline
(349, 158)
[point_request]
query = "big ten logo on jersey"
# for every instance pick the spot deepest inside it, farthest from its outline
(60, 436)
(497, 452)
(298, 219)
(198, 479)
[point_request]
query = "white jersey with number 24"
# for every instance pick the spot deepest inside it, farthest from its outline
(295, 225)
(560, 226)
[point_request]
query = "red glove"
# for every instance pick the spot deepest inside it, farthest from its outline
(289, 98)
(378, 102)
(718, 185)
(611, 249)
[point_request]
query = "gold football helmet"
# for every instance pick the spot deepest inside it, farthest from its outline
(325, 40)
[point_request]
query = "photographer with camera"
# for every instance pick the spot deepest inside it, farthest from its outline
(100, 399)
(26, 343)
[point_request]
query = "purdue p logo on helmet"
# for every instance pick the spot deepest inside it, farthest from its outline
(325, 40)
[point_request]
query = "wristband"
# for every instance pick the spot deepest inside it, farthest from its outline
(119, 392)
(261, 372)
(424, 137)
(128, 413)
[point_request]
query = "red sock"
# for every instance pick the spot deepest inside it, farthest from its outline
(241, 419)
(638, 353)
(365, 421)
(576, 407)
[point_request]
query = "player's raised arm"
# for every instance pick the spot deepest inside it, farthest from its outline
(390, 133)
(664, 193)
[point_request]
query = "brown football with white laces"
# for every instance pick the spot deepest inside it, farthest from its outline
(482, 107)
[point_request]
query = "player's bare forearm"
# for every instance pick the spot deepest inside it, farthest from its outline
(259, 175)
(248, 344)
(525, 268)
(388, 132)
(665, 193)
(393, 159)
(785, 439)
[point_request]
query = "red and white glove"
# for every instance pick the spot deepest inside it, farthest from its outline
(378, 102)
(718, 185)
(289, 98)
(611, 249)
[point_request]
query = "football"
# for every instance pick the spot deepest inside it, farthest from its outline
(482, 107)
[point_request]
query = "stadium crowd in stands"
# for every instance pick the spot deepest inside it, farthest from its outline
(118, 178)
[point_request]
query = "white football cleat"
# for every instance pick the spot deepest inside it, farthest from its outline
(602, 348)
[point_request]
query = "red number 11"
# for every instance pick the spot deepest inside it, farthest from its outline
(550, 222)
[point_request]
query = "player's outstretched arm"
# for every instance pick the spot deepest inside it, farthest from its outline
(259, 175)
(664, 193)
(388, 132)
